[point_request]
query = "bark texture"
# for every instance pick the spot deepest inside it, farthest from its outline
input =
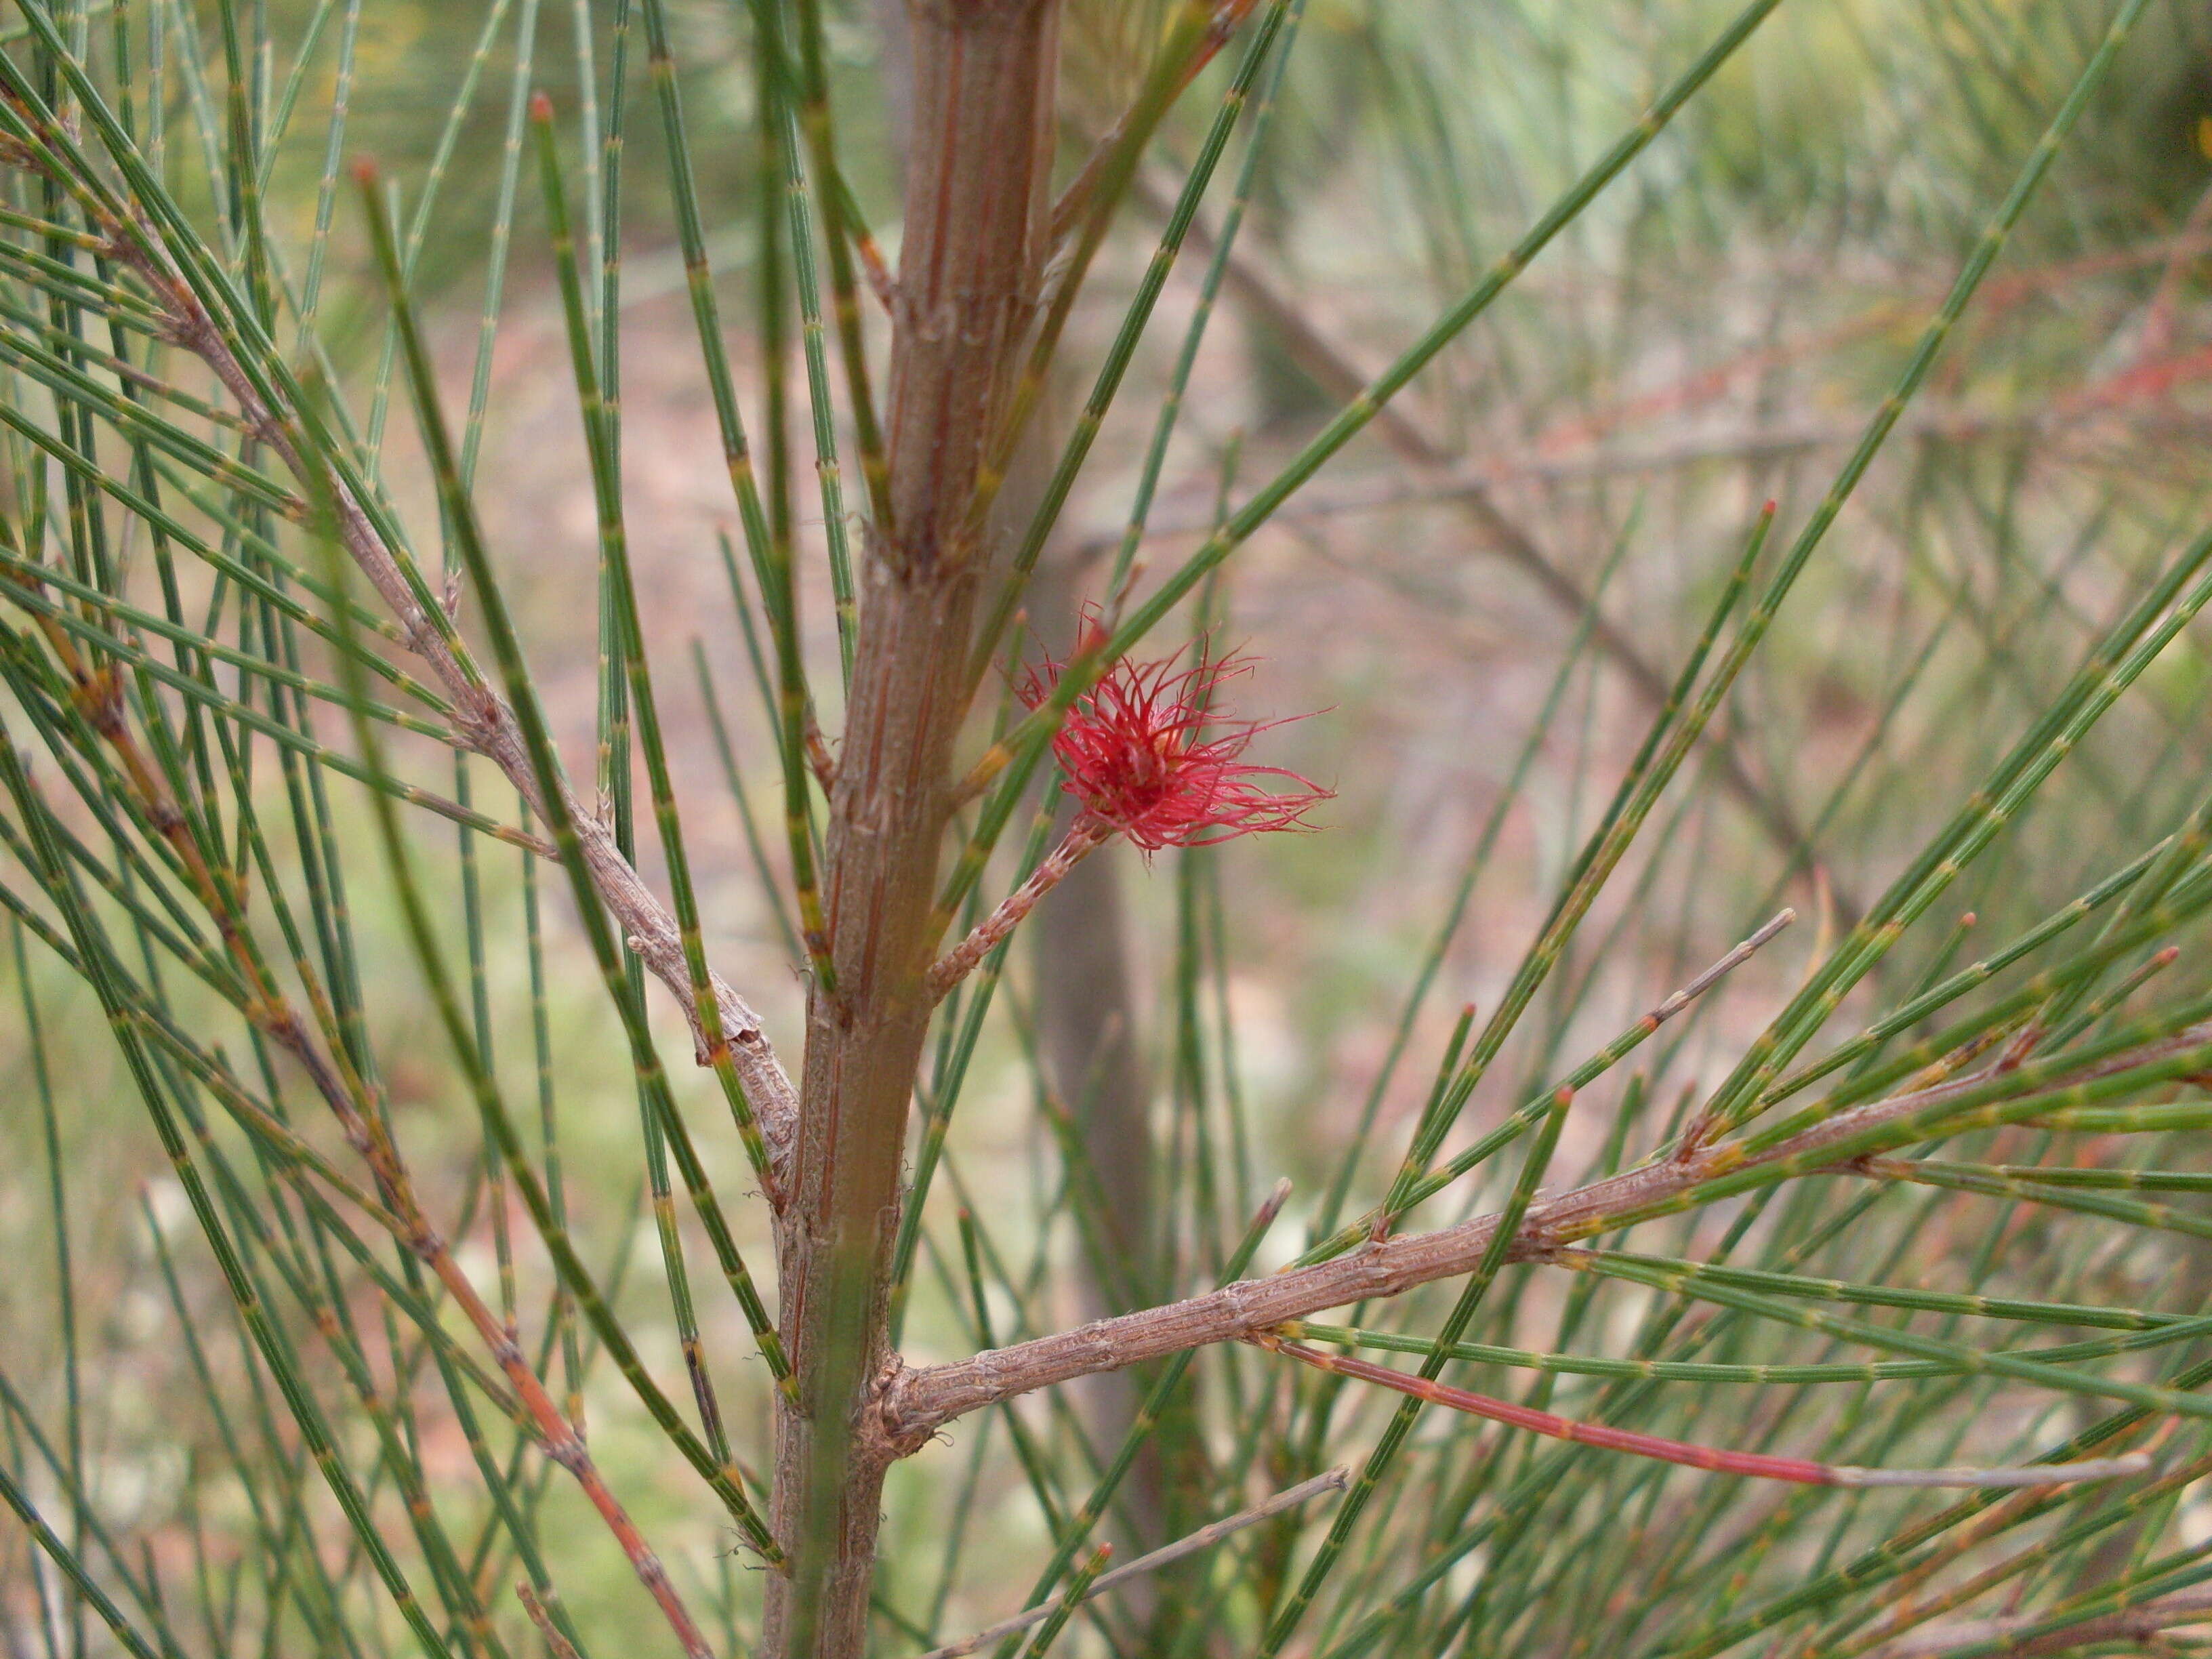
(918, 1402)
(978, 167)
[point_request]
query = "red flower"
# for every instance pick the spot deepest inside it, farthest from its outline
(1132, 748)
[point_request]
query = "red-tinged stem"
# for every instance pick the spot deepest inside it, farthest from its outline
(917, 1401)
(98, 697)
(960, 961)
(1797, 1470)
(971, 262)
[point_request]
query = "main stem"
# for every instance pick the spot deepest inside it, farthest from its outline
(968, 276)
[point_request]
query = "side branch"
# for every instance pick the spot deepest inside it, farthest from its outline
(916, 1403)
(961, 960)
(488, 726)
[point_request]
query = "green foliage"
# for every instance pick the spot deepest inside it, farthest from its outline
(367, 1228)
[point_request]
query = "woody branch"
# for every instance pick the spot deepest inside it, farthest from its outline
(352, 1103)
(916, 1403)
(970, 266)
(484, 724)
(487, 726)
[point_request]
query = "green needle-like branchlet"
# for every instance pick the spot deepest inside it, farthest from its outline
(469, 543)
(629, 633)
(1533, 1167)
(1900, 1198)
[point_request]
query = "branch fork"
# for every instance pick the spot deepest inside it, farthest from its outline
(489, 727)
(482, 717)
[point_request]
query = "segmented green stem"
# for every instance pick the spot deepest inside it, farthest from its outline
(1078, 1586)
(629, 634)
(530, 719)
(1293, 1611)
(81, 1583)
(1282, 17)
(831, 475)
(839, 225)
